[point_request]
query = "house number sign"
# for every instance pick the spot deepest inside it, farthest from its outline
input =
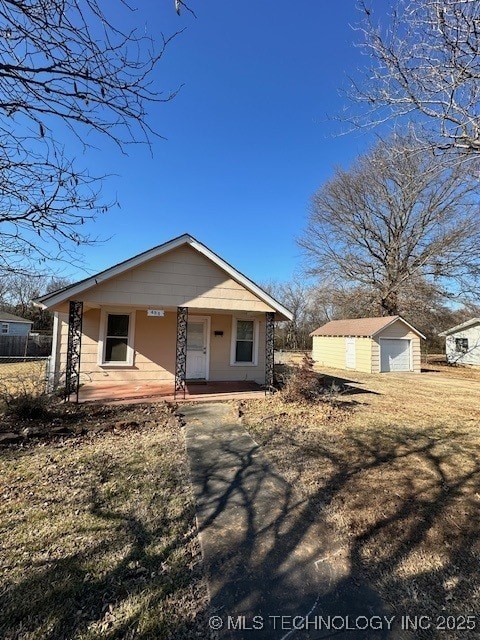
(156, 313)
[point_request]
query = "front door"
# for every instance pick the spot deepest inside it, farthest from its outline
(197, 348)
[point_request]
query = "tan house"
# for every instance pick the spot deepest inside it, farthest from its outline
(372, 345)
(173, 314)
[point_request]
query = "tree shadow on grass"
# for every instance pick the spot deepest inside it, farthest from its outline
(68, 597)
(407, 545)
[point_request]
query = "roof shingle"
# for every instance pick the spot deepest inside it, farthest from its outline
(365, 327)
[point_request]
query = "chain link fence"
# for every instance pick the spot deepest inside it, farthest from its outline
(24, 374)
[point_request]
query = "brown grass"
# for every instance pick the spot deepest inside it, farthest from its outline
(395, 465)
(98, 535)
(22, 377)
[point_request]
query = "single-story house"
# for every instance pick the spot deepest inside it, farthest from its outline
(12, 325)
(175, 313)
(372, 345)
(462, 344)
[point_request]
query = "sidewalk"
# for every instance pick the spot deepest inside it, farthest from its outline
(267, 557)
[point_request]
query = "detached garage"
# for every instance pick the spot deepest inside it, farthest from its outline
(372, 345)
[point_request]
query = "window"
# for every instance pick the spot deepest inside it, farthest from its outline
(5, 328)
(244, 342)
(461, 345)
(115, 344)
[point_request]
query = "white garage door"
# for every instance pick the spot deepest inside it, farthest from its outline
(395, 355)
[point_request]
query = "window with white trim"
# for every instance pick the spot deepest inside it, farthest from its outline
(244, 342)
(116, 340)
(461, 345)
(5, 328)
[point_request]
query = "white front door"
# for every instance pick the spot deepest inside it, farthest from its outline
(350, 355)
(197, 348)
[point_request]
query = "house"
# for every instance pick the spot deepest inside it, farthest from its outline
(462, 344)
(173, 314)
(372, 345)
(11, 325)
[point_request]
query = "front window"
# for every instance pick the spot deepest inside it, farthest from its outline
(244, 342)
(461, 345)
(116, 339)
(5, 328)
(244, 346)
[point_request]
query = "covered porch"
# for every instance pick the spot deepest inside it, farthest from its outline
(194, 392)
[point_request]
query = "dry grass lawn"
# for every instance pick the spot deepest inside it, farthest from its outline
(98, 535)
(395, 465)
(21, 377)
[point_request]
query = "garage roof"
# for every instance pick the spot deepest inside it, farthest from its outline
(360, 327)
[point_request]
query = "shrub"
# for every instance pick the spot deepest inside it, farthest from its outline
(27, 406)
(303, 384)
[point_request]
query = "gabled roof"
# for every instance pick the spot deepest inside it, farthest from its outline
(460, 327)
(67, 293)
(10, 317)
(360, 327)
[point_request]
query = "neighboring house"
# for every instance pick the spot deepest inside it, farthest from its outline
(11, 325)
(175, 313)
(373, 345)
(462, 344)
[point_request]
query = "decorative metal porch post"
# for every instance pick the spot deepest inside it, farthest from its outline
(269, 350)
(181, 351)
(74, 346)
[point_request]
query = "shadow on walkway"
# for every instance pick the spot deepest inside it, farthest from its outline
(269, 555)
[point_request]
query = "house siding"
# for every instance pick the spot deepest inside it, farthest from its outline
(155, 345)
(16, 328)
(183, 277)
(472, 357)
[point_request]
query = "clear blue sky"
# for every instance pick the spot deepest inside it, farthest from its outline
(248, 138)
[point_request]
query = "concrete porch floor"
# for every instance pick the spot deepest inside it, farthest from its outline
(195, 392)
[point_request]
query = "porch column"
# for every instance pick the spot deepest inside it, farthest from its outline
(269, 349)
(74, 346)
(181, 351)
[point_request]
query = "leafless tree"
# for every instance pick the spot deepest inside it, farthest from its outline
(426, 62)
(65, 65)
(399, 215)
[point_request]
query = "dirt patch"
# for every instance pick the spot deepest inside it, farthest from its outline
(60, 420)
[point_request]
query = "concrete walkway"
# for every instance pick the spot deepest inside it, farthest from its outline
(267, 557)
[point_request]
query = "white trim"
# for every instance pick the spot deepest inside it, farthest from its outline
(207, 320)
(56, 298)
(53, 377)
(7, 332)
(105, 312)
(410, 358)
(233, 343)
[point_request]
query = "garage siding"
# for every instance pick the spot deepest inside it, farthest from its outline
(330, 351)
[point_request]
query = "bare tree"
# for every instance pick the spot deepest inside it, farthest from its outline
(427, 62)
(64, 65)
(398, 216)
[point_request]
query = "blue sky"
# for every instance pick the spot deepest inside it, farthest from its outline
(249, 137)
